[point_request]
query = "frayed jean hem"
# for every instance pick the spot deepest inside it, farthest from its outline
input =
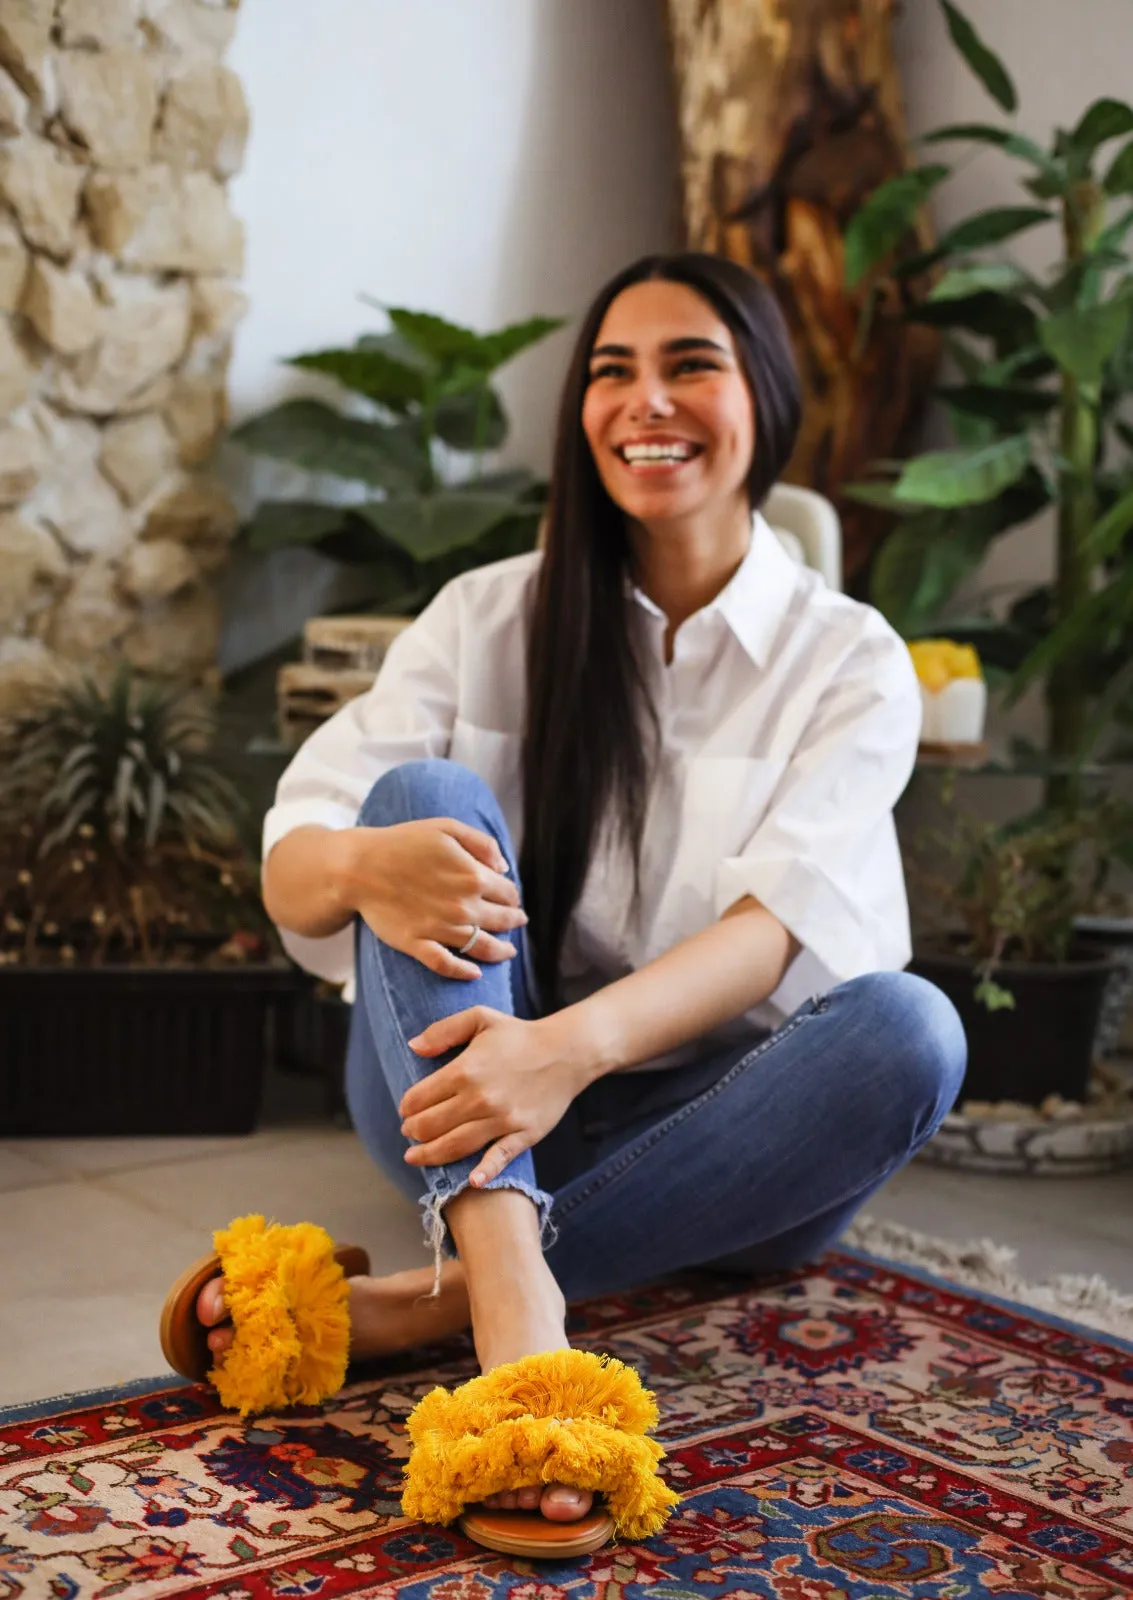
(437, 1234)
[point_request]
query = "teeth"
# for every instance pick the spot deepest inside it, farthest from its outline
(657, 452)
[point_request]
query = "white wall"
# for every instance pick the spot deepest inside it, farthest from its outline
(485, 159)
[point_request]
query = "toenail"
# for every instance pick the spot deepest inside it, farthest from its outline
(563, 1495)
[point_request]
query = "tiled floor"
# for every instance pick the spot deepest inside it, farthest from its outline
(93, 1231)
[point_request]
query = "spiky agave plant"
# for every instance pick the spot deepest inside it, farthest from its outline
(118, 835)
(126, 763)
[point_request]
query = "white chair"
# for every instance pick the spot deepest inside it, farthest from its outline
(811, 526)
(808, 527)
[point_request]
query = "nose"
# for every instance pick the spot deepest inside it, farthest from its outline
(650, 398)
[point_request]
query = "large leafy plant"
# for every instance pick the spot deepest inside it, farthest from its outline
(1044, 371)
(423, 417)
(119, 838)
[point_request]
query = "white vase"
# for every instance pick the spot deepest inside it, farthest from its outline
(955, 714)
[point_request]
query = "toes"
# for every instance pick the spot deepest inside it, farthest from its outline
(560, 1503)
(210, 1303)
(507, 1500)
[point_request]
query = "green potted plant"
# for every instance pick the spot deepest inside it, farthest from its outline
(417, 416)
(996, 908)
(138, 976)
(1042, 373)
(415, 422)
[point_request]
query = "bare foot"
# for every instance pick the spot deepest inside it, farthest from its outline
(387, 1315)
(517, 1310)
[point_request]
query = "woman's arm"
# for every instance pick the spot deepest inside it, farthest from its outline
(418, 885)
(701, 982)
(306, 881)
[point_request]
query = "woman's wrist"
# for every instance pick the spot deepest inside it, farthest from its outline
(347, 849)
(582, 1035)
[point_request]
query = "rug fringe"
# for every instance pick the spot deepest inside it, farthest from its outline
(983, 1264)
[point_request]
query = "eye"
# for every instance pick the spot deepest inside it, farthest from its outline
(609, 369)
(696, 364)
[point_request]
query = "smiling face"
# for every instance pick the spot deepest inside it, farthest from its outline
(668, 414)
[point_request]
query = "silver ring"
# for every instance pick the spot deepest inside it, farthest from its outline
(466, 947)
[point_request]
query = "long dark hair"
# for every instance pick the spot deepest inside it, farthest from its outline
(591, 728)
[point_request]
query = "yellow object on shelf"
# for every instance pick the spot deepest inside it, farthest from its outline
(939, 661)
(953, 692)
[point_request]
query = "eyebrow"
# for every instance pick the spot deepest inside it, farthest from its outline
(672, 347)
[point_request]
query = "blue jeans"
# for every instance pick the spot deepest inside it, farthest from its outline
(754, 1157)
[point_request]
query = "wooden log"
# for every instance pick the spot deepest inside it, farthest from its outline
(306, 696)
(357, 643)
(790, 114)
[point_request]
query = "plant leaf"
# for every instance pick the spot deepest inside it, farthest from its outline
(1105, 119)
(1010, 323)
(276, 523)
(514, 481)
(1085, 625)
(508, 342)
(879, 494)
(1014, 144)
(318, 438)
(427, 526)
(986, 65)
(991, 227)
(1108, 533)
(963, 478)
(1119, 178)
(391, 343)
(455, 420)
(1029, 363)
(884, 219)
(434, 336)
(452, 345)
(1082, 339)
(1113, 237)
(371, 372)
(959, 283)
(1011, 404)
(918, 568)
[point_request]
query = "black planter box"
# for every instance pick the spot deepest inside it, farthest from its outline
(1045, 1045)
(132, 1050)
(313, 1036)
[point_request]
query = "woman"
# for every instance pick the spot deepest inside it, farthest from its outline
(670, 1028)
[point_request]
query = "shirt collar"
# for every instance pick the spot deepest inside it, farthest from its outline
(754, 601)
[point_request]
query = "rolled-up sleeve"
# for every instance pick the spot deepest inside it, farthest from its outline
(407, 716)
(824, 859)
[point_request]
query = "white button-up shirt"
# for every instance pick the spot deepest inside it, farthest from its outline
(789, 719)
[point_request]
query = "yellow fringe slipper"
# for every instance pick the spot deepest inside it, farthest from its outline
(287, 1297)
(564, 1416)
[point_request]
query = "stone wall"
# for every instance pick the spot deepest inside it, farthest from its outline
(119, 255)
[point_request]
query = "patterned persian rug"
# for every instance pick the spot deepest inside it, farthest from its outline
(853, 1430)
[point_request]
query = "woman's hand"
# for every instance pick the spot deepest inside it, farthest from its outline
(423, 886)
(506, 1091)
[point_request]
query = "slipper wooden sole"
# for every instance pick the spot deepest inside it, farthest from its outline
(184, 1339)
(527, 1533)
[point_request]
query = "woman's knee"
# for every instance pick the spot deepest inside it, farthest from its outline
(918, 1051)
(433, 787)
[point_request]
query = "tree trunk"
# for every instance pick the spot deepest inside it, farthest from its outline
(790, 114)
